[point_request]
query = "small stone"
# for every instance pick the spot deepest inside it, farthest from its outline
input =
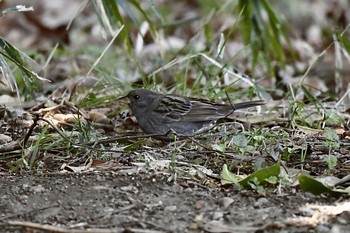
(218, 215)
(225, 202)
(261, 202)
(170, 208)
(199, 204)
(193, 226)
(129, 188)
(38, 189)
(339, 229)
(198, 218)
(25, 187)
(322, 228)
(23, 198)
(5, 139)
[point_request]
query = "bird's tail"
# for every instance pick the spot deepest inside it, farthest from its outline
(247, 104)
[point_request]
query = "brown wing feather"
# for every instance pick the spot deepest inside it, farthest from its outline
(177, 108)
(173, 108)
(203, 110)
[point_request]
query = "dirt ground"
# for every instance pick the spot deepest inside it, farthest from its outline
(115, 201)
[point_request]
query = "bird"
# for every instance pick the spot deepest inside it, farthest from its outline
(162, 115)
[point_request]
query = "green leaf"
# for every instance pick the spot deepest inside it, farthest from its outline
(309, 95)
(315, 187)
(262, 175)
(263, 30)
(344, 41)
(14, 55)
(258, 177)
(240, 141)
(332, 139)
(135, 145)
(244, 12)
(219, 147)
(228, 177)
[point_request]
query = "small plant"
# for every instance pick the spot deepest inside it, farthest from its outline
(256, 180)
(331, 161)
(333, 117)
(174, 152)
(332, 141)
(241, 143)
(14, 63)
(303, 153)
(258, 19)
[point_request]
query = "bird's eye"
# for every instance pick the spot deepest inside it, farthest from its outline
(136, 97)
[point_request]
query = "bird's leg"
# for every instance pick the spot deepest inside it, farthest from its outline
(233, 107)
(171, 134)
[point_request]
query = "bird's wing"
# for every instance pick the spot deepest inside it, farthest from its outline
(173, 108)
(178, 108)
(202, 110)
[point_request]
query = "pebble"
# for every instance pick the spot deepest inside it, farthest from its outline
(170, 208)
(225, 202)
(322, 228)
(261, 202)
(218, 215)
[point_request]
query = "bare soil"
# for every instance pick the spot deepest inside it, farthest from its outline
(113, 201)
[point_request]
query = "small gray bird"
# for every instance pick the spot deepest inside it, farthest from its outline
(161, 114)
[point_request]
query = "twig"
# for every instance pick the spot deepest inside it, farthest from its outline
(30, 131)
(55, 229)
(28, 212)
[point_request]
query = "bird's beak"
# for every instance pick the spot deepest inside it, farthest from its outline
(124, 100)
